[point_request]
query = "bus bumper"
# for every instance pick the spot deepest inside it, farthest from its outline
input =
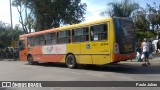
(123, 57)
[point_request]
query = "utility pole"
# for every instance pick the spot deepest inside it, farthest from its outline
(11, 22)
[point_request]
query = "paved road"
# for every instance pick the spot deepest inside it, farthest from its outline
(123, 71)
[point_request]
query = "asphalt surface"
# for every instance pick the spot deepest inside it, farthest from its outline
(124, 71)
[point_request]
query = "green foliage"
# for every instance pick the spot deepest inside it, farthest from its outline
(6, 34)
(52, 13)
(153, 15)
(146, 20)
(141, 35)
(141, 21)
(121, 9)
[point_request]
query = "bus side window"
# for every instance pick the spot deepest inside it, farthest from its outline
(68, 36)
(76, 33)
(53, 38)
(41, 40)
(36, 39)
(85, 36)
(31, 41)
(92, 34)
(50, 38)
(64, 36)
(80, 34)
(99, 32)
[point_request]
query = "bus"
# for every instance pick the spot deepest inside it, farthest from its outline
(101, 42)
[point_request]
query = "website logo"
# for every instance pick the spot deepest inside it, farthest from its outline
(6, 84)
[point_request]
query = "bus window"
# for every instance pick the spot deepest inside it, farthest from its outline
(50, 38)
(99, 32)
(41, 40)
(80, 34)
(30, 41)
(53, 38)
(64, 37)
(36, 39)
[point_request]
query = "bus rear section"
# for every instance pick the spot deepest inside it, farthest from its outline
(124, 45)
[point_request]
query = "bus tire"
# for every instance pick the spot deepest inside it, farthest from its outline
(71, 61)
(30, 60)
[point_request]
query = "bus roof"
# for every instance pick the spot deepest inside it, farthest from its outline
(66, 27)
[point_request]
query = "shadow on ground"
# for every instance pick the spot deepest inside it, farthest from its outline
(5, 89)
(128, 68)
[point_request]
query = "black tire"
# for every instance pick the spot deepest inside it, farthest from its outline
(30, 60)
(71, 62)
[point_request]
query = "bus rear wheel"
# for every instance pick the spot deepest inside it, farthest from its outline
(71, 61)
(30, 60)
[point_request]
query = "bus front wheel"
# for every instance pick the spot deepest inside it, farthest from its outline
(71, 61)
(30, 60)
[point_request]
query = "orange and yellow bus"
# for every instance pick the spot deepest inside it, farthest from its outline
(100, 42)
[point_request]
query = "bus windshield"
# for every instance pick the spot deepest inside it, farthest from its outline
(125, 35)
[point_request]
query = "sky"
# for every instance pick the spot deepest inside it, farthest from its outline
(94, 7)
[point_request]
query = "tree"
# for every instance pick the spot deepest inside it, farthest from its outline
(25, 15)
(121, 9)
(153, 16)
(142, 24)
(6, 34)
(140, 21)
(52, 13)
